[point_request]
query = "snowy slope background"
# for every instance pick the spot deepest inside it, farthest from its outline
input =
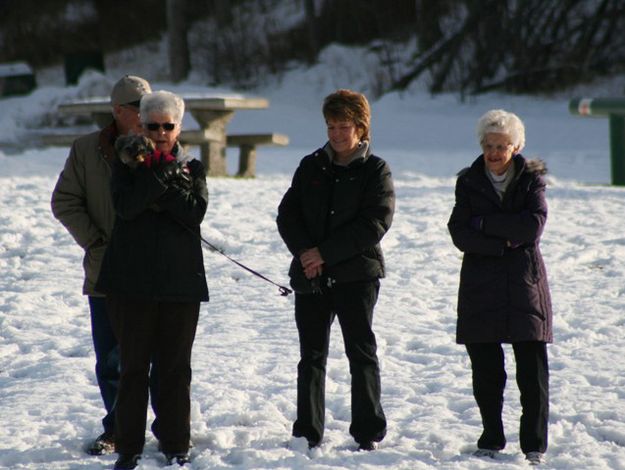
(246, 350)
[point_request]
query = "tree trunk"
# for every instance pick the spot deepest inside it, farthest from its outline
(313, 30)
(179, 62)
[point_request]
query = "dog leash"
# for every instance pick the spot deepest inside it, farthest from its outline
(284, 291)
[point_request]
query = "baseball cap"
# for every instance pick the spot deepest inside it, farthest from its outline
(129, 90)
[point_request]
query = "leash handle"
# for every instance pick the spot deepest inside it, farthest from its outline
(284, 291)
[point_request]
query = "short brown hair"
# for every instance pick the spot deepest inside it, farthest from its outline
(348, 105)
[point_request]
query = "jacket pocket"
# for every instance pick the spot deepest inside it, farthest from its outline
(93, 260)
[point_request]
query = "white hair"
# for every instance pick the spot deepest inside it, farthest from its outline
(163, 102)
(499, 121)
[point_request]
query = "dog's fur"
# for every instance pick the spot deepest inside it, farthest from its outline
(132, 149)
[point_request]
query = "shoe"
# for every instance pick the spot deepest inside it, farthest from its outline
(160, 447)
(302, 443)
(313, 444)
(180, 458)
(367, 445)
(103, 444)
(486, 453)
(535, 458)
(127, 461)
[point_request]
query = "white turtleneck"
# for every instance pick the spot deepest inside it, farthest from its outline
(501, 182)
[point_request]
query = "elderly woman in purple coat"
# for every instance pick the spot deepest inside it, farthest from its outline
(497, 221)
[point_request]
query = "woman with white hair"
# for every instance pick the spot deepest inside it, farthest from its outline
(497, 221)
(153, 275)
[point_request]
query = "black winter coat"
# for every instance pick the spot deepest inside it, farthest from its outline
(344, 211)
(504, 294)
(151, 255)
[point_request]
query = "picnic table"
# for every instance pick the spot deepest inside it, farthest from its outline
(212, 113)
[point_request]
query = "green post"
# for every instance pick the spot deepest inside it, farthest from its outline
(614, 109)
(617, 149)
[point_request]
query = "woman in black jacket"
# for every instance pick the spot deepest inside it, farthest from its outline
(153, 275)
(497, 221)
(332, 218)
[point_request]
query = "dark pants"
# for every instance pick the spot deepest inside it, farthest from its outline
(165, 332)
(106, 359)
(489, 381)
(314, 313)
(107, 363)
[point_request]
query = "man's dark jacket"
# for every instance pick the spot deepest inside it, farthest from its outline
(155, 252)
(504, 294)
(344, 211)
(81, 199)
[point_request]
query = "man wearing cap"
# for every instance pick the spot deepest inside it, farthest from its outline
(82, 202)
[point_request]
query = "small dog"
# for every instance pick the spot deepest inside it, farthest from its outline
(133, 149)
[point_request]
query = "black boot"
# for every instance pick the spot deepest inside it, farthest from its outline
(103, 444)
(367, 445)
(127, 461)
(180, 458)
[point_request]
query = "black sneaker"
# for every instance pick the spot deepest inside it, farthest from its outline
(486, 453)
(160, 447)
(535, 458)
(313, 444)
(179, 458)
(367, 445)
(103, 444)
(127, 461)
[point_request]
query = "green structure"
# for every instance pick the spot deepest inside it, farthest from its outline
(614, 109)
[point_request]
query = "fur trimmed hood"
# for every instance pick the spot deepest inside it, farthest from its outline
(536, 165)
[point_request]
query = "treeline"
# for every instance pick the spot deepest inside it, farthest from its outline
(469, 46)
(519, 46)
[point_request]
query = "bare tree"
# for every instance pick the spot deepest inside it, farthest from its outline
(179, 59)
(312, 29)
(518, 46)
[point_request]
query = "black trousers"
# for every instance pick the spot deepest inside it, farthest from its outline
(353, 304)
(164, 332)
(107, 363)
(489, 381)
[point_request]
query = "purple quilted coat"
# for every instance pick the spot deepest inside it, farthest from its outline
(503, 295)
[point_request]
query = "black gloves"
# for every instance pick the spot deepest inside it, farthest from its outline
(167, 171)
(174, 175)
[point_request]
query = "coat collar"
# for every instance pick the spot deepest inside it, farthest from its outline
(324, 155)
(476, 177)
(106, 142)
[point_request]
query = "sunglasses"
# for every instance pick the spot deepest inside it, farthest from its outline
(133, 104)
(154, 126)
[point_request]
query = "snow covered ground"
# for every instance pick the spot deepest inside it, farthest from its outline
(246, 351)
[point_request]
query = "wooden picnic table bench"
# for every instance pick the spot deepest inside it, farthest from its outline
(212, 113)
(247, 144)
